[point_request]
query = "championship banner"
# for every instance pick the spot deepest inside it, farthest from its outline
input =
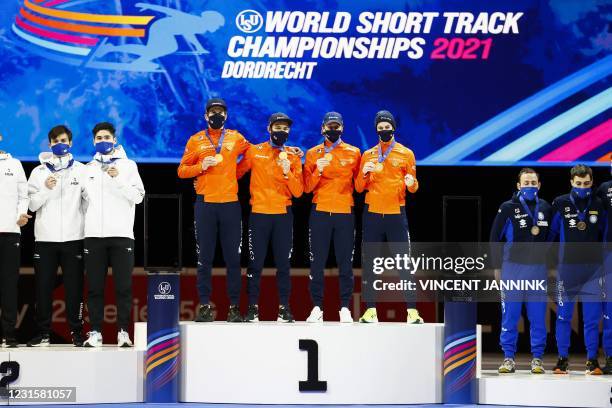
(162, 361)
(149, 66)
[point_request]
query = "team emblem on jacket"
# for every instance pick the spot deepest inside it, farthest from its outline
(593, 219)
(229, 146)
(395, 162)
(540, 216)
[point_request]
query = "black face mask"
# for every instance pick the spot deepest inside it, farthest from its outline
(385, 135)
(333, 135)
(279, 137)
(216, 121)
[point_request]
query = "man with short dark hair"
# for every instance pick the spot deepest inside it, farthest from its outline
(57, 195)
(578, 222)
(113, 188)
(522, 223)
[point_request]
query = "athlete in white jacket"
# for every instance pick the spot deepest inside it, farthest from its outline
(13, 215)
(113, 188)
(57, 195)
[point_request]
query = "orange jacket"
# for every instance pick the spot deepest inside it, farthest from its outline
(333, 189)
(218, 184)
(271, 191)
(386, 189)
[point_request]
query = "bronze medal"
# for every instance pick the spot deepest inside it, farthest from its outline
(535, 230)
(581, 225)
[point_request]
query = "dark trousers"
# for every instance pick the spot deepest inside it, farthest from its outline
(263, 229)
(48, 256)
(324, 226)
(384, 228)
(9, 278)
(224, 219)
(100, 254)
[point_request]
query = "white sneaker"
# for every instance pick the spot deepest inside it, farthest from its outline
(316, 315)
(345, 315)
(94, 339)
(123, 339)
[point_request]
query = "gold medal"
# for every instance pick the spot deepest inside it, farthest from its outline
(218, 158)
(581, 225)
(282, 155)
(379, 167)
(328, 156)
(535, 230)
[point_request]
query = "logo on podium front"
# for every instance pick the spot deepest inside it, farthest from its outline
(164, 289)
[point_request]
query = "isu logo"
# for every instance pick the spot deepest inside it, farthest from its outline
(249, 21)
(164, 289)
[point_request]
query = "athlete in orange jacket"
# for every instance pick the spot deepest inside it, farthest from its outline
(210, 157)
(386, 170)
(329, 172)
(276, 177)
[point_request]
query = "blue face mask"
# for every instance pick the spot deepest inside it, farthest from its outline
(581, 192)
(60, 149)
(529, 193)
(104, 147)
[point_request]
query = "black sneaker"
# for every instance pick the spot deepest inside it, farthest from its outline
(10, 342)
(592, 367)
(77, 338)
(284, 315)
(204, 314)
(233, 315)
(562, 366)
(252, 314)
(608, 367)
(42, 340)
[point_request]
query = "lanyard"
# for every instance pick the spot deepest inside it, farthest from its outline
(581, 214)
(526, 208)
(218, 145)
(332, 147)
(382, 157)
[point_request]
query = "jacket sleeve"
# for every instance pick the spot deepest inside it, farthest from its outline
(555, 225)
(38, 192)
(131, 186)
(190, 166)
(411, 169)
(500, 226)
(311, 173)
(22, 190)
(361, 180)
(245, 164)
(242, 145)
(294, 179)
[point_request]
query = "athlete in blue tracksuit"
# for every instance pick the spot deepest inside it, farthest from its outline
(521, 222)
(604, 192)
(578, 221)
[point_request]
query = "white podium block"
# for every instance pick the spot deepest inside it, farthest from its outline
(4, 356)
(261, 363)
(101, 375)
(545, 390)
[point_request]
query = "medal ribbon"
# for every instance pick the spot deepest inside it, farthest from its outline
(581, 214)
(534, 216)
(332, 147)
(219, 145)
(382, 157)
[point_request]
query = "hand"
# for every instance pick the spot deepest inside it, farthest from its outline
(113, 172)
(409, 180)
(285, 165)
(23, 219)
(50, 182)
(368, 167)
(296, 150)
(322, 163)
(209, 161)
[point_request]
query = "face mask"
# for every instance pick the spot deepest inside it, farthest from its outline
(104, 147)
(279, 137)
(216, 121)
(529, 193)
(581, 192)
(333, 135)
(385, 135)
(60, 149)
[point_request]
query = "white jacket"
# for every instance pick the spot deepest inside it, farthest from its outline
(13, 193)
(59, 211)
(111, 202)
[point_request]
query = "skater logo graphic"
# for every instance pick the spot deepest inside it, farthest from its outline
(109, 41)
